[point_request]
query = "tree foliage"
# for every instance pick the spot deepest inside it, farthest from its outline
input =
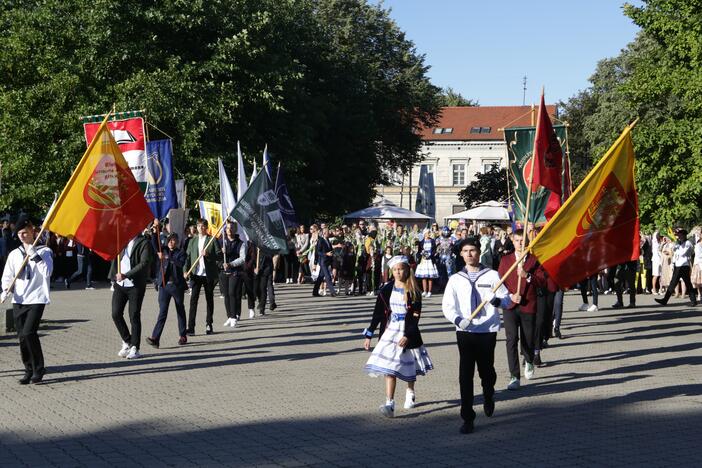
(332, 86)
(451, 98)
(491, 185)
(656, 78)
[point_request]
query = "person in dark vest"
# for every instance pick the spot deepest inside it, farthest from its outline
(171, 259)
(30, 294)
(129, 288)
(202, 256)
(231, 271)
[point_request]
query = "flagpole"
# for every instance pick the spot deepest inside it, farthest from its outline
(26, 257)
(160, 251)
(192, 267)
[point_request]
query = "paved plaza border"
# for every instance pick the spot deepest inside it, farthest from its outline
(623, 388)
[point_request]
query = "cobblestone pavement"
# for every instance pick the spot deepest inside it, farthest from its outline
(623, 388)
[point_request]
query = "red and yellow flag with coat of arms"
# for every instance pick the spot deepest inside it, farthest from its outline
(101, 206)
(598, 226)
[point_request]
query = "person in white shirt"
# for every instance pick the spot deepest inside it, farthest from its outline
(682, 258)
(30, 294)
(476, 338)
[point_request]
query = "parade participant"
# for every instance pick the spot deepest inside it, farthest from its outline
(171, 259)
(546, 290)
(30, 294)
(231, 271)
(475, 338)
(263, 272)
(323, 256)
(129, 272)
(85, 267)
(203, 254)
(426, 270)
(444, 250)
(249, 277)
(624, 278)
(519, 318)
(682, 258)
(591, 283)
(400, 352)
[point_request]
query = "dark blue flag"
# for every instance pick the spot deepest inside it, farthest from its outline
(287, 210)
(160, 190)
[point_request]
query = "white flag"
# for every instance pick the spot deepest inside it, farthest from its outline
(226, 195)
(241, 186)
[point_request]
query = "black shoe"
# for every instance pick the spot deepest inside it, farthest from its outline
(315, 294)
(544, 344)
(153, 342)
(466, 428)
(557, 333)
(660, 301)
(25, 379)
(208, 329)
(190, 332)
(273, 306)
(36, 378)
(631, 306)
(489, 407)
(537, 360)
(617, 305)
(67, 284)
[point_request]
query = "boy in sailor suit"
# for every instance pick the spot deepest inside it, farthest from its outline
(475, 338)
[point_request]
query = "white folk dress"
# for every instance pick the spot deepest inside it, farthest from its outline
(390, 359)
(426, 268)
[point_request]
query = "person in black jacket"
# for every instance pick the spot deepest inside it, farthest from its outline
(262, 274)
(231, 271)
(129, 278)
(323, 258)
(400, 352)
(171, 260)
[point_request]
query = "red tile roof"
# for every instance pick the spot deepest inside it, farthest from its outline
(462, 119)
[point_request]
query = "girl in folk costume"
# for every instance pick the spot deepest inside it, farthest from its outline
(400, 352)
(426, 270)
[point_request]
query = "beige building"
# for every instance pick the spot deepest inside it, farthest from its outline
(465, 141)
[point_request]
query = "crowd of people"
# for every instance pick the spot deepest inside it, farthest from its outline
(486, 281)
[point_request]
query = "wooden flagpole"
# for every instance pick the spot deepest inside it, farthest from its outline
(192, 267)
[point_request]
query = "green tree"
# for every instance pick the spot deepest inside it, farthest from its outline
(332, 86)
(451, 98)
(491, 185)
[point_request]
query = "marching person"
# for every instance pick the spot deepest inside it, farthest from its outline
(625, 278)
(263, 272)
(682, 258)
(129, 287)
(203, 254)
(249, 276)
(171, 259)
(323, 258)
(231, 274)
(30, 294)
(475, 338)
(400, 352)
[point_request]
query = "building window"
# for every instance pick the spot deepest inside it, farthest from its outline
(480, 129)
(439, 131)
(475, 130)
(430, 168)
(459, 174)
(448, 130)
(488, 165)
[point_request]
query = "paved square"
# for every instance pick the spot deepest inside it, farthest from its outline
(623, 388)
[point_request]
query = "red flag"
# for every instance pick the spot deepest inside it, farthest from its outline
(548, 159)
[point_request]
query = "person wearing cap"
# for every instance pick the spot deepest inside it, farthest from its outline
(30, 294)
(129, 288)
(682, 258)
(172, 259)
(400, 352)
(476, 338)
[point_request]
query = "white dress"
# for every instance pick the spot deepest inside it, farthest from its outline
(426, 268)
(387, 357)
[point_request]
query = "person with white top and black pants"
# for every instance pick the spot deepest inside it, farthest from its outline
(682, 259)
(476, 338)
(129, 287)
(30, 294)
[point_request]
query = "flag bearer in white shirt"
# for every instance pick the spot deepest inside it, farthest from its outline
(682, 260)
(30, 294)
(475, 338)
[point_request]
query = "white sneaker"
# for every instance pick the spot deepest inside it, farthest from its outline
(409, 399)
(388, 410)
(232, 323)
(592, 308)
(424, 294)
(252, 314)
(584, 307)
(528, 370)
(513, 384)
(428, 294)
(228, 323)
(133, 353)
(124, 351)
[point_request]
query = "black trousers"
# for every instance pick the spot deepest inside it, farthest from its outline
(681, 273)
(261, 290)
(120, 297)
(290, 262)
(324, 275)
(544, 317)
(164, 299)
(518, 326)
(626, 278)
(27, 318)
(271, 289)
(475, 348)
(248, 279)
(197, 283)
(232, 286)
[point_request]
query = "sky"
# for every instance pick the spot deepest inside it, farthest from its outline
(483, 49)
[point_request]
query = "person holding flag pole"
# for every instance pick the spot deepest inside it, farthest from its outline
(202, 255)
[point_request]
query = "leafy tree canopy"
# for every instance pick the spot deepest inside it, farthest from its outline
(491, 185)
(332, 86)
(451, 98)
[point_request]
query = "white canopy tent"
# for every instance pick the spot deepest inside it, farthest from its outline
(386, 210)
(488, 211)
